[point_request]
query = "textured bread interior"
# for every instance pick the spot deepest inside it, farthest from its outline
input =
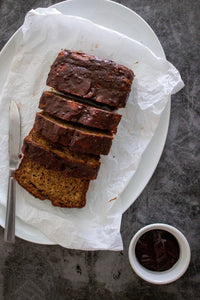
(66, 125)
(50, 184)
(63, 151)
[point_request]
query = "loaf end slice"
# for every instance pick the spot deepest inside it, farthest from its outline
(50, 184)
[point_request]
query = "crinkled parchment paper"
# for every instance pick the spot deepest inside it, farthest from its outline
(45, 33)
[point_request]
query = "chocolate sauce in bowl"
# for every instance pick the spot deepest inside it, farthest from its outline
(157, 250)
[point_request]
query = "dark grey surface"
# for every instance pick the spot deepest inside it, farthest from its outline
(30, 271)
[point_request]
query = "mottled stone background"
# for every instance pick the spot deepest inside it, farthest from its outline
(30, 271)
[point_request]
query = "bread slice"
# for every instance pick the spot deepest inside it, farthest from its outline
(76, 137)
(73, 111)
(52, 156)
(91, 77)
(51, 184)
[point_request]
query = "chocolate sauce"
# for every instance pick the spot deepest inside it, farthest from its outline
(157, 250)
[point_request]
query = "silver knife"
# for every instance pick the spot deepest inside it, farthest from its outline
(14, 147)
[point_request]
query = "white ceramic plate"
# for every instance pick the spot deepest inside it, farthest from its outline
(123, 20)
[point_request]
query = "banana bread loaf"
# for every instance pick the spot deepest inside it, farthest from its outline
(51, 184)
(73, 111)
(91, 77)
(56, 157)
(76, 137)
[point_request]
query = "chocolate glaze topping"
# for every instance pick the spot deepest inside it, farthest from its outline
(90, 77)
(157, 250)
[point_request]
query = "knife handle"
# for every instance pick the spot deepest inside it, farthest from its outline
(9, 233)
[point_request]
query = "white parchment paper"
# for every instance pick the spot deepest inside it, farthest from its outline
(45, 33)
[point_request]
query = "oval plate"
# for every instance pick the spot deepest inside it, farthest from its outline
(123, 20)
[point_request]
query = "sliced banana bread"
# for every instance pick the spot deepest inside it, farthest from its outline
(73, 111)
(51, 184)
(58, 157)
(91, 77)
(76, 137)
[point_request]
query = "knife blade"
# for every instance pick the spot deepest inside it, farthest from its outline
(14, 148)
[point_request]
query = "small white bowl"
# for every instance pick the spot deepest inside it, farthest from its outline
(173, 273)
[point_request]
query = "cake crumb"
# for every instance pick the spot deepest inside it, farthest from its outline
(112, 199)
